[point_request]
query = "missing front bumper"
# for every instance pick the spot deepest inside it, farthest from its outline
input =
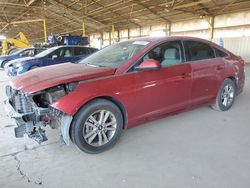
(33, 127)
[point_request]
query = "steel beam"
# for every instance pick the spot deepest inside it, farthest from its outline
(18, 5)
(186, 5)
(152, 11)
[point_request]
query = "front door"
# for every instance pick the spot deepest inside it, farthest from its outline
(164, 90)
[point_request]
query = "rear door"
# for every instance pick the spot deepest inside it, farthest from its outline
(165, 90)
(206, 70)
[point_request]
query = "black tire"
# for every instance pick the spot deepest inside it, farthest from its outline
(78, 126)
(3, 64)
(220, 103)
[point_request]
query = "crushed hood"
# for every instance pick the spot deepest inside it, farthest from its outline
(46, 77)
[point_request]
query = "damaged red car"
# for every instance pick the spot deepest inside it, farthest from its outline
(121, 86)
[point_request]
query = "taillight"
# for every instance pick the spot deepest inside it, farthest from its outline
(242, 62)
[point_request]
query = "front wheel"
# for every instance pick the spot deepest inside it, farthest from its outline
(225, 96)
(97, 126)
(3, 64)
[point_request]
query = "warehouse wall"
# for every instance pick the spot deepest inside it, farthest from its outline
(238, 45)
(233, 28)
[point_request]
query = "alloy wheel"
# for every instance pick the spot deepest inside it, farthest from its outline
(99, 128)
(227, 95)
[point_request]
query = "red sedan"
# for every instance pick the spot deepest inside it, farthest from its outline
(123, 85)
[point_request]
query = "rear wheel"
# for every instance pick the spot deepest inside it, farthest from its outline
(97, 126)
(225, 96)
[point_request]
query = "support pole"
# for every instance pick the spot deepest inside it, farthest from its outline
(211, 28)
(83, 28)
(109, 38)
(44, 23)
(113, 33)
(84, 13)
(118, 35)
(101, 40)
(169, 29)
(45, 29)
(210, 21)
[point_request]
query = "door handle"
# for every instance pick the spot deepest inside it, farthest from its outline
(185, 75)
(219, 67)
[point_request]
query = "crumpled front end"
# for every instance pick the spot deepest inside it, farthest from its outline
(33, 112)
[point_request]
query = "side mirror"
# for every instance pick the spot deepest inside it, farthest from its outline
(149, 64)
(54, 56)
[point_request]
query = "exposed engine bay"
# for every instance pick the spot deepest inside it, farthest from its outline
(33, 112)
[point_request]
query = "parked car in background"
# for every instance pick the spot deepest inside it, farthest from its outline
(51, 56)
(20, 53)
(123, 85)
(13, 50)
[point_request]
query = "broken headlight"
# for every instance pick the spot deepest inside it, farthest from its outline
(56, 93)
(53, 94)
(71, 86)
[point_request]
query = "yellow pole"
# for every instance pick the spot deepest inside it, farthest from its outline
(113, 33)
(211, 28)
(83, 28)
(84, 13)
(44, 22)
(45, 29)
(210, 21)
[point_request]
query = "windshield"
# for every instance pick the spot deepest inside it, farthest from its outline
(46, 52)
(115, 55)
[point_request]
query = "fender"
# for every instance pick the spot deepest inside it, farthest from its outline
(89, 90)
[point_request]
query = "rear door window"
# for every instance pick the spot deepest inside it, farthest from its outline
(198, 51)
(220, 53)
(78, 51)
(62, 52)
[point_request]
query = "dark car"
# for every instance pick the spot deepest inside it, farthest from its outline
(20, 53)
(51, 56)
(123, 85)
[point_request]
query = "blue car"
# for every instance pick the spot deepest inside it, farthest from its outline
(19, 54)
(51, 56)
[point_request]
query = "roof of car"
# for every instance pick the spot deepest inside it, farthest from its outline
(153, 39)
(74, 46)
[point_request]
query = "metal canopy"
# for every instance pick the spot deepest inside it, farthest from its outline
(67, 16)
